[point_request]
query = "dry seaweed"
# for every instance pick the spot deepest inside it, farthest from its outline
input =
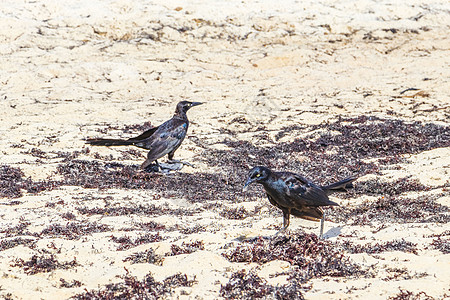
(378, 248)
(11, 243)
(150, 209)
(235, 213)
(186, 248)
(441, 244)
(408, 295)
(202, 186)
(402, 274)
(423, 209)
(73, 231)
(12, 182)
(243, 285)
(195, 229)
(19, 229)
(342, 151)
(126, 242)
(132, 288)
(378, 187)
(313, 257)
(42, 264)
(148, 256)
(66, 284)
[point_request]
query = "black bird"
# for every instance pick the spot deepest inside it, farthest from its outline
(161, 140)
(296, 195)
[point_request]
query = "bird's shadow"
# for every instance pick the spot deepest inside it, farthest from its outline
(333, 232)
(165, 168)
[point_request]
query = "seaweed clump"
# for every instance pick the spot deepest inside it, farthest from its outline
(126, 242)
(379, 248)
(235, 213)
(74, 231)
(150, 209)
(132, 288)
(243, 285)
(186, 248)
(377, 187)
(201, 187)
(441, 244)
(312, 257)
(408, 295)
(422, 209)
(19, 229)
(12, 182)
(65, 284)
(148, 256)
(42, 264)
(11, 243)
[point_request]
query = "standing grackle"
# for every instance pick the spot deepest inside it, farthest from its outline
(296, 195)
(161, 140)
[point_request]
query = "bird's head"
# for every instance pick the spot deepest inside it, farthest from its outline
(257, 174)
(184, 106)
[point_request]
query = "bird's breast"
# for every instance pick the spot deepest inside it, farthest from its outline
(277, 190)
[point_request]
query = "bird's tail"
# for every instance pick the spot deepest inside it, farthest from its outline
(340, 186)
(109, 142)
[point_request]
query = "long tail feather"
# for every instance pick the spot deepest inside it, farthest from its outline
(109, 142)
(340, 186)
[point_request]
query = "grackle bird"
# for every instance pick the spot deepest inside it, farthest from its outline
(161, 140)
(296, 195)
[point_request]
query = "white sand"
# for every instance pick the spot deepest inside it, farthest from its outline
(69, 68)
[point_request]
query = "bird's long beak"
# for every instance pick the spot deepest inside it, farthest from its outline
(249, 181)
(196, 103)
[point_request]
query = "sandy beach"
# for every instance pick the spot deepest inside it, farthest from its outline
(324, 89)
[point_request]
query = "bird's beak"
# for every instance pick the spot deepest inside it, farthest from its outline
(249, 181)
(196, 103)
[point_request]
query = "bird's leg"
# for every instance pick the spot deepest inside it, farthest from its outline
(286, 215)
(322, 221)
(148, 167)
(145, 164)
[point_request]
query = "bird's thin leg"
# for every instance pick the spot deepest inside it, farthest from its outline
(322, 221)
(147, 163)
(286, 215)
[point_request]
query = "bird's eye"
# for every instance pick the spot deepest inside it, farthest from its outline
(258, 175)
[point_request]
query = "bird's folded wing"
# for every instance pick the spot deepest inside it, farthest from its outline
(310, 213)
(165, 141)
(146, 134)
(306, 193)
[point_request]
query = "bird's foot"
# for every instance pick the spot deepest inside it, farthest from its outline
(154, 168)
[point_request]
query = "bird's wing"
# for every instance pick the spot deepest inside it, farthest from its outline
(146, 134)
(308, 213)
(273, 202)
(166, 139)
(305, 193)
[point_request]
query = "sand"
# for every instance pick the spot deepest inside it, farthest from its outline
(70, 69)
